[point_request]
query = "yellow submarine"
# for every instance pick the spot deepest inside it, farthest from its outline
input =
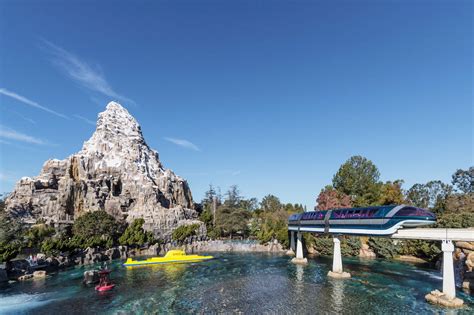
(173, 256)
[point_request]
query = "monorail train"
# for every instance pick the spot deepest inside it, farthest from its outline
(383, 220)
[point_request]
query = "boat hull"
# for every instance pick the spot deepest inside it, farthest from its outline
(105, 288)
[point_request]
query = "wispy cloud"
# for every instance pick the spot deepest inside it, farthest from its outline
(31, 121)
(81, 72)
(29, 102)
(183, 143)
(11, 134)
(84, 119)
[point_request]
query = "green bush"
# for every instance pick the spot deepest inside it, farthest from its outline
(35, 236)
(350, 246)
(267, 226)
(428, 250)
(9, 251)
(135, 234)
(384, 247)
(11, 240)
(323, 244)
(62, 244)
(184, 231)
(214, 233)
(206, 217)
(97, 224)
(455, 220)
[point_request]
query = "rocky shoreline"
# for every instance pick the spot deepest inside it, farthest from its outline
(21, 269)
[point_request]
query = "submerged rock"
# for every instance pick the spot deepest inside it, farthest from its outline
(39, 274)
(366, 252)
(115, 171)
(91, 277)
(437, 297)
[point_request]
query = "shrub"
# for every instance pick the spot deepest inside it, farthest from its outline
(9, 251)
(97, 224)
(61, 244)
(135, 234)
(268, 226)
(428, 250)
(184, 231)
(384, 247)
(350, 246)
(37, 234)
(10, 237)
(455, 220)
(323, 244)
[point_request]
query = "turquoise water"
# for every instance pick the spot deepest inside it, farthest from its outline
(248, 283)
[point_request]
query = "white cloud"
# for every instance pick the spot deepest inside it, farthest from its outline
(11, 134)
(183, 143)
(30, 102)
(82, 73)
(84, 119)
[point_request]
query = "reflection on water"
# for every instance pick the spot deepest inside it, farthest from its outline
(248, 283)
(337, 295)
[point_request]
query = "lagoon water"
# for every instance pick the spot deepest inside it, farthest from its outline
(248, 283)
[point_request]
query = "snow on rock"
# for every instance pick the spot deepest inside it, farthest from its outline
(115, 171)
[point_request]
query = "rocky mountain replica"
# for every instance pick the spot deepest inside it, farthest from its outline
(115, 171)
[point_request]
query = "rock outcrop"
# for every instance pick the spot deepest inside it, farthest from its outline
(115, 171)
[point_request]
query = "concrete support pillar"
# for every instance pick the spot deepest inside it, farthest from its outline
(449, 287)
(299, 246)
(299, 259)
(337, 271)
(448, 296)
(337, 257)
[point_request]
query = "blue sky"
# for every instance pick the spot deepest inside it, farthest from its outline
(270, 95)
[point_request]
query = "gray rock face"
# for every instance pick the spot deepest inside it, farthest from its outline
(115, 171)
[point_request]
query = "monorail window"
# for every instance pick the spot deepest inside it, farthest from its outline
(413, 212)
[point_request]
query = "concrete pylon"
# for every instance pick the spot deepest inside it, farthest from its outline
(337, 271)
(448, 296)
(299, 259)
(449, 286)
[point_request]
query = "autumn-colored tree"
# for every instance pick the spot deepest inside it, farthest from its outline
(460, 203)
(330, 198)
(391, 193)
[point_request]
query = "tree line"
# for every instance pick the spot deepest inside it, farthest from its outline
(233, 215)
(230, 215)
(357, 184)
